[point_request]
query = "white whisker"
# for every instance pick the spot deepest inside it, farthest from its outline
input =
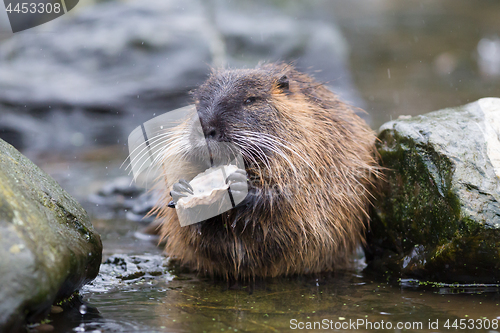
(148, 145)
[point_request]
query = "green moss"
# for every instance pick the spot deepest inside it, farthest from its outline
(67, 300)
(419, 204)
(420, 229)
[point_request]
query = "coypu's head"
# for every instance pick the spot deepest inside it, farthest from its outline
(237, 112)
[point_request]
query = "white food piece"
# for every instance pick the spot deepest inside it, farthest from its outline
(208, 187)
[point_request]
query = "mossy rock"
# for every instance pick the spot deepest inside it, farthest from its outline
(48, 247)
(438, 214)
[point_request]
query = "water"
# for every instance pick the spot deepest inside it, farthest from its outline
(195, 305)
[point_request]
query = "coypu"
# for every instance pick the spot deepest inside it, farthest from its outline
(310, 163)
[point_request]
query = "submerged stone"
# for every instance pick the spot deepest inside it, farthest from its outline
(438, 215)
(48, 247)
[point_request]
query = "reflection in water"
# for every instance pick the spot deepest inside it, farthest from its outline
(78, 317)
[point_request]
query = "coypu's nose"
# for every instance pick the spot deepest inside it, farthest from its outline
(211, 131)
(211, 125)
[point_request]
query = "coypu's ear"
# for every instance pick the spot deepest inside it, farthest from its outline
(283, 83)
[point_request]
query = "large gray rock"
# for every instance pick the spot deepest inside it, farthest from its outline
(438, 217)
(48, 247)
(111, 66)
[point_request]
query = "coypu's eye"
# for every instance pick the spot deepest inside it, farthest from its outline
(250, 100)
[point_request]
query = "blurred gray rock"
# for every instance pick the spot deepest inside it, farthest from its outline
(438, 217)
(48, 248)
(114, 65)
(120, 198)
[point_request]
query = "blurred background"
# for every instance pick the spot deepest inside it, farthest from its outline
(86, 79)
(412, 57)
(73, 89)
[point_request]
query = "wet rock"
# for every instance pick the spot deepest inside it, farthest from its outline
(438, 218)
(48, 248)
(117, 64)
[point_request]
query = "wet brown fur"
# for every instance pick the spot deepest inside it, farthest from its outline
(307, 218)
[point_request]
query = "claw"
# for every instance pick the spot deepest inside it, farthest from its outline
(180, 187)
(239, 186)
(185, 183)
(238, 196)
(239, 176)
(177, 195)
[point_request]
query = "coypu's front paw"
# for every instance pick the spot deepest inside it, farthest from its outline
(238, 184)
(178, 191)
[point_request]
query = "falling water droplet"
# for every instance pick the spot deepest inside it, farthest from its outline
(83, 309)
